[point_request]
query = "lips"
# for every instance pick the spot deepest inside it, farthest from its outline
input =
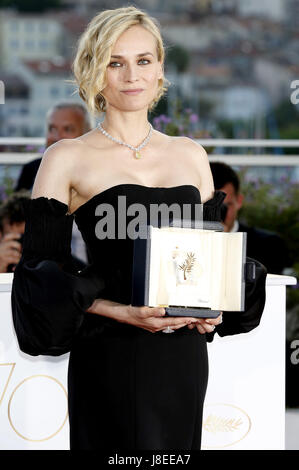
(132, 92)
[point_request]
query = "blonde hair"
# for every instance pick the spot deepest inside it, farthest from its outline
(94, 53)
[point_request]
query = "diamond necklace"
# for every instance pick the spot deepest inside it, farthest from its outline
(136, 149)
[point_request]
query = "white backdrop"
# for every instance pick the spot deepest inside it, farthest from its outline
(244, 406)
(245, 401)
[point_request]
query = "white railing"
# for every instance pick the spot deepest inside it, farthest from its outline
(220, 142)
(239, 159)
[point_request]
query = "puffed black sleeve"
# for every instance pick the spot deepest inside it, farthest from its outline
(49, 295)
(255, 289)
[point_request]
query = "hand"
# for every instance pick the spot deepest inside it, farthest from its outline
(206, 325)
(149, 318)
(10, 251)
(152, 319)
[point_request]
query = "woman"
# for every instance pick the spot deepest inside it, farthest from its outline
(131, 386)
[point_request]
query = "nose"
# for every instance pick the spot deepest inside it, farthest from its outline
(131, 73)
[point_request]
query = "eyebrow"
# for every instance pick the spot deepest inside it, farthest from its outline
(138, 55)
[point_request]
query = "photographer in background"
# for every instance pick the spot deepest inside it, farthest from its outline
(263, 245)
(12, 227)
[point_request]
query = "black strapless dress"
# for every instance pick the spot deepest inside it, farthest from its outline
(127, 388)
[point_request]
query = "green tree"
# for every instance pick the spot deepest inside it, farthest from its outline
(179, 57)
(285, 113)
(286, 116)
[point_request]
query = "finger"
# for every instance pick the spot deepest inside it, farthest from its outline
(159, 312)
(177, 326)
(14, 253)
(177, 321)
(208, 328)
(11, 236)
(153, 311)
(208, 324)
(205, 328)
(214, 321)
(201, 321)
(12, 259)
(200, 328)
(186, 322)
(172, 322)
(14, 245)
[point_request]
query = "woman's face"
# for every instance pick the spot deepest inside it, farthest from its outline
(133, 71)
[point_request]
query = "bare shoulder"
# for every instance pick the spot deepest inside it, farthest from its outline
(198, 160)
(56, 171)
(190, 147)
(62, 157)
(65, 151)
(183, 145)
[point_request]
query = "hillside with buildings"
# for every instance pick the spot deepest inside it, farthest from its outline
(235, 64)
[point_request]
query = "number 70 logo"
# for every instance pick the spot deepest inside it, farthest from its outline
(36, 406)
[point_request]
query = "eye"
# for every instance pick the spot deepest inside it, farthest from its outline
(114, 64)
(144, 60)
(119, 64)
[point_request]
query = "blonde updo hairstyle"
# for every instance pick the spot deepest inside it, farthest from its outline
(95, 48)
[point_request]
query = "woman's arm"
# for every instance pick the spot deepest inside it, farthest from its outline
(149, 318)
(55, 175)
(48, 298)
(143, 317)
